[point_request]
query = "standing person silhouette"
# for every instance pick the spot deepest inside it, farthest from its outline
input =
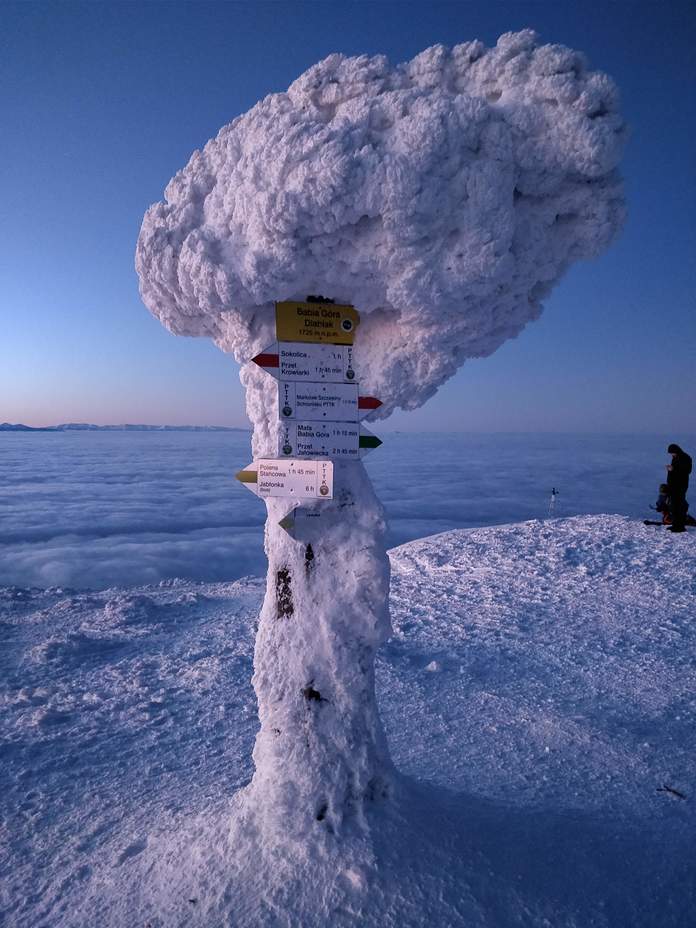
(678, 482)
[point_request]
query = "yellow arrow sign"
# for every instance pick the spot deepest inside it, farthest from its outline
(316, 322)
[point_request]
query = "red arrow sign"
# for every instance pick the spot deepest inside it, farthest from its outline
(267, 360)
(369, 402)
(300, 361)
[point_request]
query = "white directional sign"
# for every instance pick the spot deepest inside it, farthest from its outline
(318, 402)
(294, 361)
(338, 440)
(303, 524)
(318, 439)
(298, 479)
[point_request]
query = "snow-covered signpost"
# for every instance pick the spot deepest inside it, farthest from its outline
(442, 198)
(321, 752)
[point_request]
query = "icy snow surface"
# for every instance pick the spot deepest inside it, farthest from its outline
(538, 691)
(443, 197)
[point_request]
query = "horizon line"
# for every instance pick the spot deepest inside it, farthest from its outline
(133, 426)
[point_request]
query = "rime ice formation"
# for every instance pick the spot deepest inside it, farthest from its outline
(443, 198)
(321, 750)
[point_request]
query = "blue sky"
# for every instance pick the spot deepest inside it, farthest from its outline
(102, 103)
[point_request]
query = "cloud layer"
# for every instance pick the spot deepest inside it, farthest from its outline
(102, 509)
(444, 197)
(98, 510)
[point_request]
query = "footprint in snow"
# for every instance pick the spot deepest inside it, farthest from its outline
(137, 847)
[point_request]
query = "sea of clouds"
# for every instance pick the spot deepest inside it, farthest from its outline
(119, 509)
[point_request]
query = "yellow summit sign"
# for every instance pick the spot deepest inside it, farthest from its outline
(330, 323)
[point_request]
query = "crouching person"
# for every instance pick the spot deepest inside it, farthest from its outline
(662, 505)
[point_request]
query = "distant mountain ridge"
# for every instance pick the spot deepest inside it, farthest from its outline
(88, 427)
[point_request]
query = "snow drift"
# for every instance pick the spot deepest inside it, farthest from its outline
(443, 197)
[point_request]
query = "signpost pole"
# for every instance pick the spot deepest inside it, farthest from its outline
(320, 754)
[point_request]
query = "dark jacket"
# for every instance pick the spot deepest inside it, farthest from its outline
(678, 476)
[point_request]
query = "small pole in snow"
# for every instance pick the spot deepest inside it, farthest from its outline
(552, 501)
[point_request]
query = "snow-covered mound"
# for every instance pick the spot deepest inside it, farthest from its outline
(538, 692)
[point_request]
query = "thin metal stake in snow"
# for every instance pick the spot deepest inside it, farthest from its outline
(552, 501)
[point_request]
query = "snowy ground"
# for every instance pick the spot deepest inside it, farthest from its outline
(539, 695)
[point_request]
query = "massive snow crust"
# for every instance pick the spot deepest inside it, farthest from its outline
(443, 197)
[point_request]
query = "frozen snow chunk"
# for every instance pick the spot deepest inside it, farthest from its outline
(75, 648)
(354, 878)
(50, 717)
